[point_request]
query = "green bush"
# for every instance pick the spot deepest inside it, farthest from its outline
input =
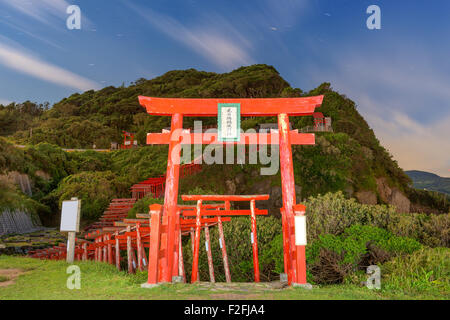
(142, 205)
(332, 213)
(95, 189)
(428, 268)
(332, 257)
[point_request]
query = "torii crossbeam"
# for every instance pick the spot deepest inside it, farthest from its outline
(294, 255)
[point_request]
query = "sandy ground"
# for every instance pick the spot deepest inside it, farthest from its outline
(11, 274)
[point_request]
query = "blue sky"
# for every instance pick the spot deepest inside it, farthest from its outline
(399, 76)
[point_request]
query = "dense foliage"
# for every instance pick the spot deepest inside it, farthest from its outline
(344, 237)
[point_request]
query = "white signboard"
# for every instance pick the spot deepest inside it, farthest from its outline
(300, 230)
(70, 216)
(229, 121)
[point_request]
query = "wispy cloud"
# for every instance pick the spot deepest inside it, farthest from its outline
(224, 46)
(49, 12)
(44, 10)
(25, 63)
(31, 34)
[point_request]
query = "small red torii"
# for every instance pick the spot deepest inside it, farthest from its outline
(294, 255)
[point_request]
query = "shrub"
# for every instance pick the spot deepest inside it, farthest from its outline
(332, 257)
(428, 268)
(332, 213)
(142, 205)
(95, 189)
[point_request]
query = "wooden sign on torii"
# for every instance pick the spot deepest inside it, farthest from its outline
(294, 255)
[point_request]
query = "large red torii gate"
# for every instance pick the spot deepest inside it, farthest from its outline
(294, 255)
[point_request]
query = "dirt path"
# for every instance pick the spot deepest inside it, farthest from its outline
(11, 275)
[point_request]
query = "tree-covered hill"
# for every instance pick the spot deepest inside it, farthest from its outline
(349, 159)
(429, 181)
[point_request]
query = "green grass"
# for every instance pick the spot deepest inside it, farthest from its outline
(46, 280)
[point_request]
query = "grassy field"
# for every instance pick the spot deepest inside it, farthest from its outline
(47, 280)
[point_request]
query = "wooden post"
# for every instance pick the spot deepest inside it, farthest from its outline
(85, 253)
(209, 255)
(117, 251)
(153, 255)
(105, 248)
(181, 271)
(171, 192)
(129, 252)
(139, 246)
(176, 259)
(100, 259)
(193, 250)
(288, 190)
(110, 256)
(71, 246)
(254, 240)
(197, 243)
(95, 251)
(224, 250)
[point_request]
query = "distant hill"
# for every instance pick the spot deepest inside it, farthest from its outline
(429, 181)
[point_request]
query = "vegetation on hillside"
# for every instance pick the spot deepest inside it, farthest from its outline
(350, 159)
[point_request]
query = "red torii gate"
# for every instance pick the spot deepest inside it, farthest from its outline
(294, 256)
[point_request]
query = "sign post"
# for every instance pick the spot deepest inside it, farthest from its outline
(70, 223)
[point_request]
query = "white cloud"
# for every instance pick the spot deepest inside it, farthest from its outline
(225, 47)
(43, 10)
(35, 67)
(4, 102)
(32, 35)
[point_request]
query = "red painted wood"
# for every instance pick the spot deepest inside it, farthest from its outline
(110, 256)
(176, 252)
(258, 212)
(287, 183)
(117, 251)
(171, 193)
(249, 107)
(225, 197)
(255, 241)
